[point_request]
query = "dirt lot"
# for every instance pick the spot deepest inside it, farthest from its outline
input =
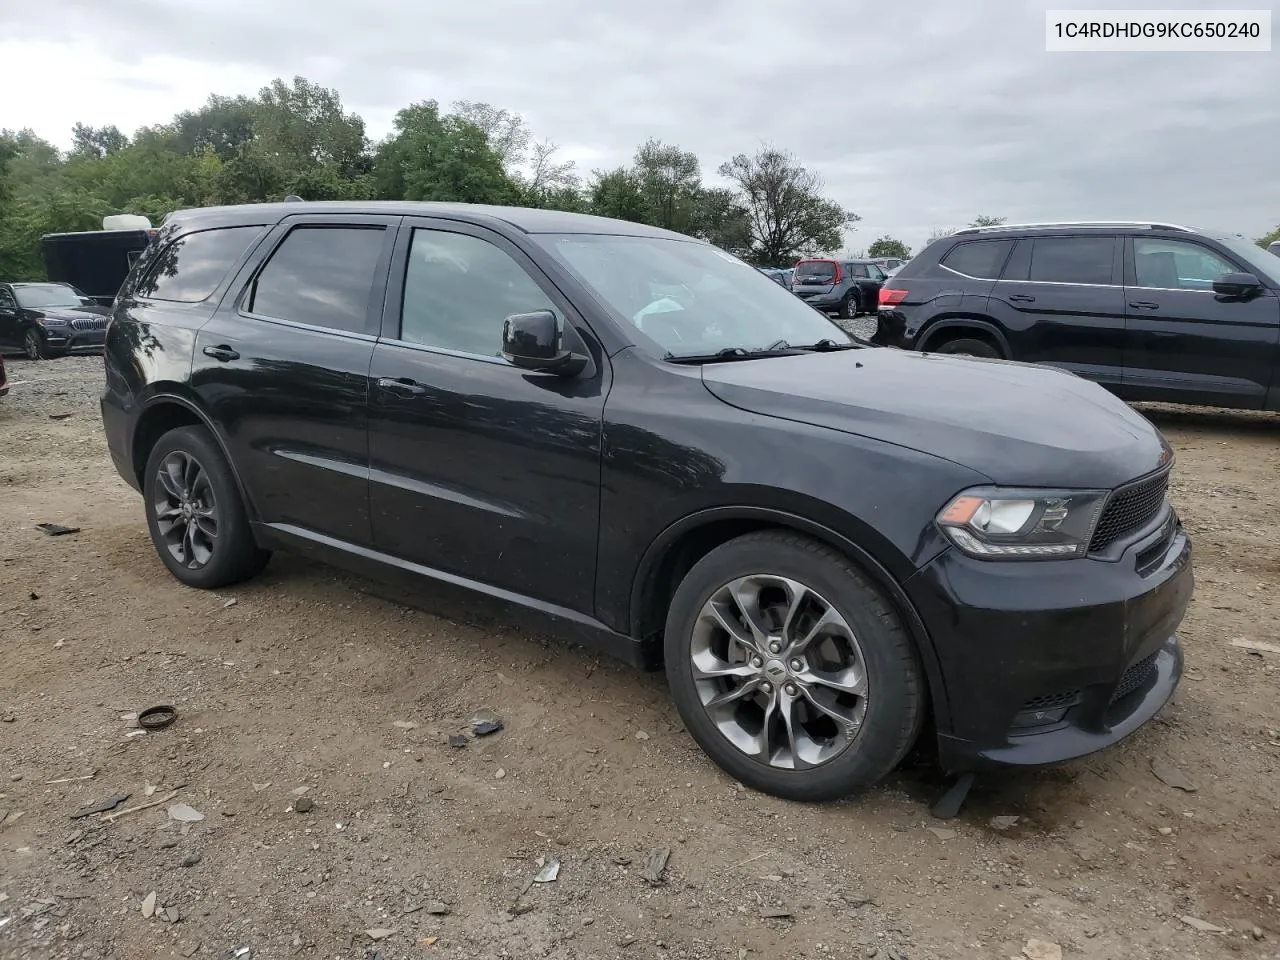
(299, 679)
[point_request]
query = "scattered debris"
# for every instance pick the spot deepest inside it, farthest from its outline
(149, 905)
(191, 949)
(758, 856)
(1165, 831)
(499, 774)
(520, 908)
(1204, 926)
(1004, 823)
(169, 915)
(379, 933)
(438, 909)
(9, 718)
(59, 416)
(1042, 950)
(56, 529)
(242, 953)
(191, 859)
(184, 814)
(550, 870)
(627, 941)
(942, 833)
(776, 913)
(641, 735)
(303, 805)
(113, 817)
(1171, 776)
(457, 740)
(428, 941)
(1259, 646)
(230, 603)
(487, 727)
(157, 717)
(298, 791)
(655, 865)
(87, 776)
(259, 787)
(405, 725)
(135, 733)
(102, 806)
(5, 922)
(622, 861)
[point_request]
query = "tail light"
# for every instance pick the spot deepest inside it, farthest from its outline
(890, 297)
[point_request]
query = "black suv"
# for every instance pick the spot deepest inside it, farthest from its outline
(1150, 311)
(49, 320)
(847, 287)
(828, 544)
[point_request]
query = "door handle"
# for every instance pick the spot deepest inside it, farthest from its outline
(402, 385)
(1144, 305)
(221, 352)
(1022, 298)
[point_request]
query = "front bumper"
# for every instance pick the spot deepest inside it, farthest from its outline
(1046, 661)
(70, 340)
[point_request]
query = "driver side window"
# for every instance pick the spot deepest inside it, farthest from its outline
(6, 300)
(458, 290)
(1176, 265)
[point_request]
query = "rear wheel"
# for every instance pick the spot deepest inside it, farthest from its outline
(33, 345)
(790, 669)
(849, 307)
(197, 520)
(968, 347)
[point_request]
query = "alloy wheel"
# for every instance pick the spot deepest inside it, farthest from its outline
(31, 343)
(779, 672)
(185, 510)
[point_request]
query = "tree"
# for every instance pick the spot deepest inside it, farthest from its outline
(616, 193)
(669, 180)
(97, 141)
(223, 124)
(301, 126)
(1268, 239)
(939, 233)
(981, 220)
(508, 135)
(788, 216)
(720, 217)
(434, 157)
(888, 247)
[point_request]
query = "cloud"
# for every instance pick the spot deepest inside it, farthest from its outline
(916, 117)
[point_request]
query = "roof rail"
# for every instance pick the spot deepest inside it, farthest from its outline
(1147, 224)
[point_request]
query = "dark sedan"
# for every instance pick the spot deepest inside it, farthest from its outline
(49, 320)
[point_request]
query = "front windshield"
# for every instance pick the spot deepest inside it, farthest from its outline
(39, 295)
(1255, 257)
(688, 298)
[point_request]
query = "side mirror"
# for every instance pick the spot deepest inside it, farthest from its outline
(1237, 285)
(540, 341)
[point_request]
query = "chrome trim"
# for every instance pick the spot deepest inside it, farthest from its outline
(1148, 224)
(314, 328)
(445, 351)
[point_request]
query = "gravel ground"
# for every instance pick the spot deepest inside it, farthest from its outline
(310, 686)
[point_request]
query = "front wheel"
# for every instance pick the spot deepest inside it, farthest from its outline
(791, 670)
(33, 345)
(196, 517)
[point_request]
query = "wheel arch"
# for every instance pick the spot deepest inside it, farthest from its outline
(682, 544)
(163, 412)
(945, 329)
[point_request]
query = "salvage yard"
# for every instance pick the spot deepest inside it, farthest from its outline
(337, 820)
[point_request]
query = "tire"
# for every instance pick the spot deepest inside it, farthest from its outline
(33, 345)
(886, 719)
(849, 306)
(200, 489)
(968, 347)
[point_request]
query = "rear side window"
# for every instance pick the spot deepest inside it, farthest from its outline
(815, 271)
(858, 269)
(1073, 260)
(191, 267)
(983, 259)
(322, 276)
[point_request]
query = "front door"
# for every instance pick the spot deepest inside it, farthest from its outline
(480, 469)
(283, 369)
(1186, 344)
(1061, 301)
(9, 335)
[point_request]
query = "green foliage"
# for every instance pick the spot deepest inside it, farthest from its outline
(1267, 239)
(982, 220)
(294, 137)
(889, 247)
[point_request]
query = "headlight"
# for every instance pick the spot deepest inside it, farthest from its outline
(52, 321)
(994, 523)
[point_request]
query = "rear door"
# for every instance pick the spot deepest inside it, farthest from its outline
(283, 368)
(1186, 344)
(1061, 302)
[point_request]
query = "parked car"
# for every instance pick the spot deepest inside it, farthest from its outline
(781, 277)
(847, 287)
(4, 379)
(1274, 247)
(1150, 311)
(827, 545)
(888, 264)
(49, 320)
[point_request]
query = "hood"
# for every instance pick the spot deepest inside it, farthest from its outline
(1016, 423)
(70, 313)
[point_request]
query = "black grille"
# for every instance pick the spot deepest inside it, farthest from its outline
(89, 323)
(1048, 702)
(1135, 677)
(1128, 509)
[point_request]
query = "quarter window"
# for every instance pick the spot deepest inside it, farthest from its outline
(1176, 264)
(1073, 260)
(322, 276)
(983, 259)
(190, 268)
(6, 300)
(458, 290)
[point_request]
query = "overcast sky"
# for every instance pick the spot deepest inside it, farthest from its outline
(918, 116)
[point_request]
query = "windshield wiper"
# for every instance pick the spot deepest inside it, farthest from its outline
(779, 348)
(826, 345)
